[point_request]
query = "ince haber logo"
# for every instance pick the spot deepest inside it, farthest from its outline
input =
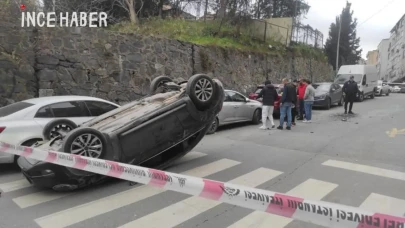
(50, 19)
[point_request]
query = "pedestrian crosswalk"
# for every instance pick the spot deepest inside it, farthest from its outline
(182, 210)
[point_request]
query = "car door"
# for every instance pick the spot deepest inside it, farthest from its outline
(226, 115)
(75, 111)
(337, 93)
(240, 105)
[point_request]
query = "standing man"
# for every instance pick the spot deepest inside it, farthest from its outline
(287, 100)
(309, 98)
(294, 109)
(269, 95)
(301, 92)
(350, 89)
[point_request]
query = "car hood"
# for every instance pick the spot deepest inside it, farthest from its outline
(320, 93)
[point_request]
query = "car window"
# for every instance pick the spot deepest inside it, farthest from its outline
(236, 97)
(322, 87)
(258, 91)
(98, 108)
(227, 98)
(13, 108)
(44, 112)
(69, 109)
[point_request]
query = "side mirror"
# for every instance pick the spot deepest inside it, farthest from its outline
(247, 100)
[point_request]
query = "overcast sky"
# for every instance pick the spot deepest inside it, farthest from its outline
(386, 14)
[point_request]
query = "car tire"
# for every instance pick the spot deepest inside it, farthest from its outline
(213, 128)
(257, 116)
(328, 104)
(388, 93)
(361, 97)
(81, 135)
(158, 82)
(53, 128)
(372, 96)
(202, 91)
(342, 100)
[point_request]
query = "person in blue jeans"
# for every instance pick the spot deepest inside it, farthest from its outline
(309, 98)
(287, 100)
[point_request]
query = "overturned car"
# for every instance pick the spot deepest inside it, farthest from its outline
(152, 132)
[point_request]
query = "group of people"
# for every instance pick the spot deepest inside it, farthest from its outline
(297, 99)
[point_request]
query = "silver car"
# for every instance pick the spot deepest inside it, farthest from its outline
(382, 88)
(237, 108)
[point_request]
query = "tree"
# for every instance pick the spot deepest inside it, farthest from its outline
(349, 52)
(280, 8)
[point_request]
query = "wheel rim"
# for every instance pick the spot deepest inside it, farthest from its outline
(88, 145)
(213, 126)
(60, 130)
(203, 89)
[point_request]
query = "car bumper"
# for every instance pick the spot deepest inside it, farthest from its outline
(46, 175)
(320, 103)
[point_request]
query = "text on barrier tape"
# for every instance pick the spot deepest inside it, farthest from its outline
(317, 212)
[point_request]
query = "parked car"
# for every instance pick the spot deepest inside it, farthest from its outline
(396, 89)
(152, 131)
(22, 123)
(279, 88)
(382, 88)
(402, 90)
(237, 108)
(328, 94)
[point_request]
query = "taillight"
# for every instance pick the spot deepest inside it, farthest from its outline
(2, 129)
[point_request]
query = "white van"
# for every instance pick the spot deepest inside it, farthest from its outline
(366, 77)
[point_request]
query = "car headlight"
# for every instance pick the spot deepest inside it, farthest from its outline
(323, 96)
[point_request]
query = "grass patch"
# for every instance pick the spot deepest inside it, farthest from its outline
(208, 34)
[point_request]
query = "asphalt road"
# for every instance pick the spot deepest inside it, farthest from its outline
(358, 162)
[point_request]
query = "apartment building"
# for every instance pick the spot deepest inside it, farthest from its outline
(396, 52)
(382, 59)
(372, 57)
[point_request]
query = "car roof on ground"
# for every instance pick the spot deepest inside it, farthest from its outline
(53, 99)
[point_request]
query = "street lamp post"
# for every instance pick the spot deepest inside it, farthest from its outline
(338, 43)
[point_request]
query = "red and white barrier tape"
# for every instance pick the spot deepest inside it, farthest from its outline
(316, 212)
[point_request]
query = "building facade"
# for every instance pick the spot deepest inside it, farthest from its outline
(382, 59)
(372, 57)
(396, 52)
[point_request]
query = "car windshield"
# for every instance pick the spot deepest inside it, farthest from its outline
(258, 91)
(321, 87)
(342, 78)
(13, 108)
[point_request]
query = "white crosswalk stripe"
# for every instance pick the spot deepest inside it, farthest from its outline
(310, 189)
(110, 203)
(366, 169)
(14, 185)
(184, 210)
(384, 204)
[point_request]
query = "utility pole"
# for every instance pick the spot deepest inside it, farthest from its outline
(53, 7)
(338, 44)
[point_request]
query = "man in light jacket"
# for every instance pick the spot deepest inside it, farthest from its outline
(309, 98)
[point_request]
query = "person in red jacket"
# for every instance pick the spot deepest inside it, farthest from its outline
(301, 92)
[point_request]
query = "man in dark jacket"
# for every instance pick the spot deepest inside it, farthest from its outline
(287, 100)
(269, 95)
(350, 89)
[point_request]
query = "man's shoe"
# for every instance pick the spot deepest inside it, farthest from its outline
(273, 126)
(262, 128)
(288, 128)
(345, 112)
(280, 128)
(350, 112)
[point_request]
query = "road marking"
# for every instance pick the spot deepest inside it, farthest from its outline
(310, 189)
(86, 211)
(14, 185)
(366, 169)
(394, 132)
(182, 211)
(38, 198)
(384, 204)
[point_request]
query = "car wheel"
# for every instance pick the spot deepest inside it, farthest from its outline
(86, 142)
(388, 93)
(257, 115)
(328, 104)
(157, 83)
(342, 100)
(213, 128)
(372, 96)
(361, 97)
(201, 90)
(59, 127)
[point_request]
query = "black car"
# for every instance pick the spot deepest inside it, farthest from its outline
(328, 94)
(151, 132)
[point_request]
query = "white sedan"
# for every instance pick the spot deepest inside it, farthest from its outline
(22, 123)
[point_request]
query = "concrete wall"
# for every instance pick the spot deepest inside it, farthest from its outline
(118, 67)
(372, 57)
